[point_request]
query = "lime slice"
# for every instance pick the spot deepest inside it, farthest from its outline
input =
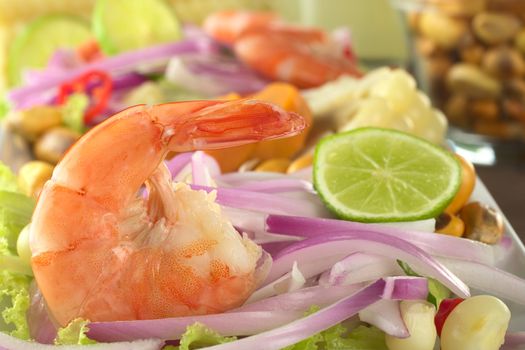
(382, 175)
(35, 45)
(122, 25)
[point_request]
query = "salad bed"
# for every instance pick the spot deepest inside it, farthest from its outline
(323, 282)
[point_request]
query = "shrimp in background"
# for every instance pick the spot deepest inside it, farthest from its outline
(305, 57)
(102, 252)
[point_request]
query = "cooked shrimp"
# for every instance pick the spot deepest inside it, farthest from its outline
(102, 252)
(305, 57)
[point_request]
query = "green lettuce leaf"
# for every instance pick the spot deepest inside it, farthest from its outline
(73, 112)
(199, 336)
(15, 213)
(8, 181)
(4, 107)
(436, 290)
(74, 333)
(14, 298)
(338, 337)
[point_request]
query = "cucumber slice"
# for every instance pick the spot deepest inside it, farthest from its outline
(36, 43)
(122, 25)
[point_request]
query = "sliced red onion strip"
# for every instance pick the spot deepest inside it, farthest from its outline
(406, 288)
(440, 245)
(385, 315)
(124, 62)
(488, 279)
(360, 267)
(305, 327)
(514, 341)
(264, 202)
(41, 327)
(199, 172)
(252, 223)
(178, 163)
(239, 178)
(11, 343)
(213, 75)
(226, 324)
(313, 252)
(289, 282)
(277, 186)
(303, 299)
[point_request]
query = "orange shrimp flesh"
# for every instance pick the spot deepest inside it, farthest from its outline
(238, 23)
(304, 60)
(102, 252)
(305, 57)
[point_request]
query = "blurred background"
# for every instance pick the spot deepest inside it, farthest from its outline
(467, 56)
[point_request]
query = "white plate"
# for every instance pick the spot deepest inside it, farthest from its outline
(513, 262)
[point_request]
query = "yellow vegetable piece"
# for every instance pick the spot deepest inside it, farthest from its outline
(33, 175)
(276, 165)
(301, 163)
(468, 180)
(450, 225)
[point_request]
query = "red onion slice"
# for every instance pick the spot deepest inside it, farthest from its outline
(226, 324)
(385, 315)
(294, 332)
(488, 279)
(267, 203)
(360, 267)
(314, 255)
(514, 341)
(440, 245)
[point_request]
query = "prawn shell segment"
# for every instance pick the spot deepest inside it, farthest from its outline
(302, 61)
(228, 26)
(287, 97)
(103, 252)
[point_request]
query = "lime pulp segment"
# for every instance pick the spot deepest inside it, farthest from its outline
(380, 175)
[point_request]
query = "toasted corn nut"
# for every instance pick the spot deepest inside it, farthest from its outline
(456, 109)
(33, 122)
(444, 30)
(468, 180)
(495, 28)
(470, 80)
(450, 225)
(300, 163)
(276, 165)
(504, 63)
(482, 223)
(486, 109)
(519, 41)
(33, 175)
(54, 143)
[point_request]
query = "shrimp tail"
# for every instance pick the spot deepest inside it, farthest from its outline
(233, 123)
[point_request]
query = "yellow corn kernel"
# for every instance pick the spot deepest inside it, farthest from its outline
(276, 165)
(300, 163)
(450, 225)
(32, 177)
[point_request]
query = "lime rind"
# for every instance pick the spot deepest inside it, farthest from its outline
(34, 45)
(423, 182)
(123, 25)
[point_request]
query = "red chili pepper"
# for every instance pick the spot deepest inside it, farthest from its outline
(445, 308)
(96, 84)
